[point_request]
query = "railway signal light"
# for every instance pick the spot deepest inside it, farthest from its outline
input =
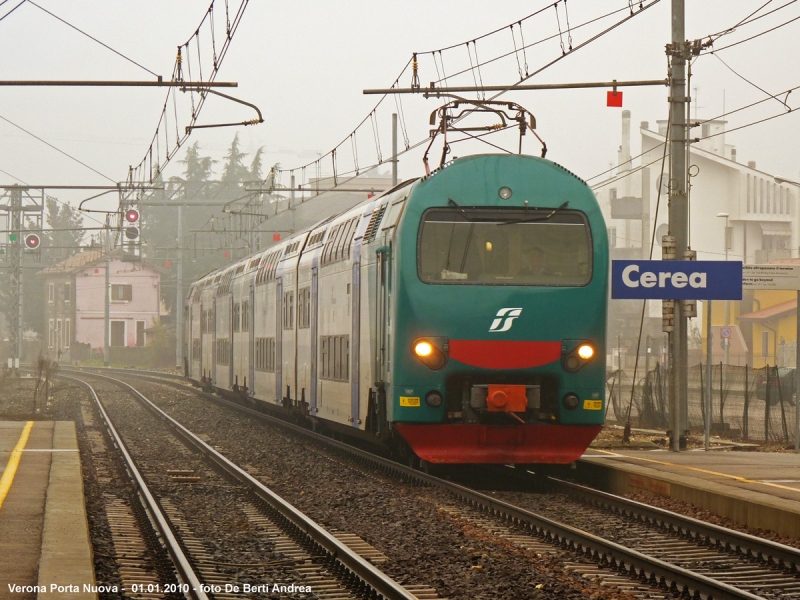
(132, 216)
(32, 241)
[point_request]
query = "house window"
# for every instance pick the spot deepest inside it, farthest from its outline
(67, 333)
(117, 333)
(140, 335)
(59, 334)
(51, 293)
(51, 338)
(67, 293)
(121, 292)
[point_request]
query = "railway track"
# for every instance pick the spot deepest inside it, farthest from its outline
(661, 555)
(314, 559)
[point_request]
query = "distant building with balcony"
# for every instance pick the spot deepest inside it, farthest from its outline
(75, 305)
(762, 223)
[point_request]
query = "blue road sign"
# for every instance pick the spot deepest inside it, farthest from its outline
(676, 280)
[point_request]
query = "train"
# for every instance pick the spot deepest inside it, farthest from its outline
(458, 318)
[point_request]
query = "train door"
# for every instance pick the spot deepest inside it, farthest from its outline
(381, 357)
(251, 320)
(278, 340)
(230, 343)
(314, 335)
(355, 339)
(214, 340)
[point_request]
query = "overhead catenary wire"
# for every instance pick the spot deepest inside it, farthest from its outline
(742, 77)
(59, 150)
(13, 9)
(627, 430)
(443, 76)
(94, 39)
(753, 37)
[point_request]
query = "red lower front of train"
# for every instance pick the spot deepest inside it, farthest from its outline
(475, 443)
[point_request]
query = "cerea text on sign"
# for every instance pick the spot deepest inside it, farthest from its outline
(676, 280)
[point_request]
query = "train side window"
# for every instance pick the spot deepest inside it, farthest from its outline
(324, 356)
(344, 242)
(236, 311)
(346, 357)
(288, 310)
(245, 315)
(336, 253)
(329, 245)
(304, 308)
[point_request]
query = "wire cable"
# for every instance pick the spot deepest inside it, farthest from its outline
(57, 149)
(94, 39)
(627, 430)
(740, 76)
(13, 9)
(752, 37)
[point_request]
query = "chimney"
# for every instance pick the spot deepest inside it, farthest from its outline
(625, 148)
(733, 154)
(644, 125)
(751, 164)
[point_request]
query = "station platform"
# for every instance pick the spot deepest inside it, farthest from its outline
(757, 489)
(44, 533)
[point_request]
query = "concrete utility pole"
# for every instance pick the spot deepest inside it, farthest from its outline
(394, 149)
(15, 260)
(678, 214)
(107, 315)
(179, 294)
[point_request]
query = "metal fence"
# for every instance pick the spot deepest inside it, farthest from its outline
(739, 407)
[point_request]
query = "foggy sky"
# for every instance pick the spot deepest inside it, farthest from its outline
(305, 64)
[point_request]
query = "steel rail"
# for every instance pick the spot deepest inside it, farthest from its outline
(766, 550)
(182, 565)
(636, 564)
(381, 583)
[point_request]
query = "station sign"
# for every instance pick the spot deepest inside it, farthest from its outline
(771, 277)
(676, 280)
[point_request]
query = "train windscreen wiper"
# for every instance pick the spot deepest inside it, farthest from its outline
(547, 217)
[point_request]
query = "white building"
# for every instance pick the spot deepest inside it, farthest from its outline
(762, 223)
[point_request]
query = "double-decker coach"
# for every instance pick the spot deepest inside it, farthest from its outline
(459, 318)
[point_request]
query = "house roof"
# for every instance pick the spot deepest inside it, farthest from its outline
(73, 263)
(76, 262)
(771, 312)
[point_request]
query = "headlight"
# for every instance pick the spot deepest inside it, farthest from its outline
(431, 351)
(575, 354)
(423, 349)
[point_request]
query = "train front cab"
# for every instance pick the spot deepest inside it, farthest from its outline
(497, 359)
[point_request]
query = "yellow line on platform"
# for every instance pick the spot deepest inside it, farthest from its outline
(699, 470)
(13, 462)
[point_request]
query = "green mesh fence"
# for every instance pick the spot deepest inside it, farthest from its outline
(739, 406)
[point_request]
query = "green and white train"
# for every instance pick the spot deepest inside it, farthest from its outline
(460, 316)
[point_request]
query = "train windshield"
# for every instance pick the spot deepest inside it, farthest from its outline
(490, 246)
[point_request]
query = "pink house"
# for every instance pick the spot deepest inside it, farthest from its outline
(75, 308)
